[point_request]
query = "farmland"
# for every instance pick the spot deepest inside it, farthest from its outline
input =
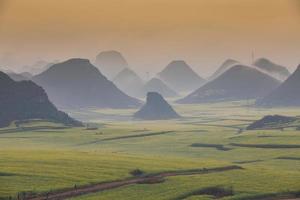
(39, 157)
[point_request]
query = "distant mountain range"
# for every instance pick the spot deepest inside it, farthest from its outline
(129, 82)
(76, 83)
(20, 77)
(227, 64)
(157, 85)
(26, 75)
(38, 67)
(287, 94)
(181, 77)
(25, 100)
(110, 63)
(238, 83)
(156, 108)
(277, 71)
(17, 76)
(265, 65)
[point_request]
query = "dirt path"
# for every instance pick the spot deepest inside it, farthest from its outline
(149, 179)
(126, 137)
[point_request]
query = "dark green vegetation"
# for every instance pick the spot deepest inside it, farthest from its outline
(137, 172)
(216, 192)
(7, 174)
(217, 146)
(247, 161)
(139, 178)
(25, 100)
(21, 126)
(273, 196)
(271, 146)
(288, 158)
(153, 160)
(131, 136)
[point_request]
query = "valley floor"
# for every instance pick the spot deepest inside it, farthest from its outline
(41, 157)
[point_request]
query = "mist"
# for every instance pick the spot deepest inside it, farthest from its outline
(149, 99)
(150, 35)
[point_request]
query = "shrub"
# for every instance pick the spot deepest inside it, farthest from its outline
(137, 172)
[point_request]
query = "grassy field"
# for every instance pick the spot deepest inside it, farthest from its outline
(42, 156)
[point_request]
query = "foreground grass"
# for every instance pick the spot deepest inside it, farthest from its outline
(38, 171)
(245, 183)
(48, 157)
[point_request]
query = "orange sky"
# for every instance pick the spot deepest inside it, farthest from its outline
(150, 33)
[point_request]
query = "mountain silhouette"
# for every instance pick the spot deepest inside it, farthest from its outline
(156, 108)
(238, 83)
(26, 75)
(157, 85)
(271, 122)
(38, 67)
(287, 94)
(110, 63)
(180, 77)
(129, 82)
(277, 71)
(76, 83)
(25, 100)
(17, 77)
(224, 67)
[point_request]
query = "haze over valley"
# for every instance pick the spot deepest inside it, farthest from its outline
(149, 100)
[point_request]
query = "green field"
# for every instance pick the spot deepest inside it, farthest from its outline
(41, 156)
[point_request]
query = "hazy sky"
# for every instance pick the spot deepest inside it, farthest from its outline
(150, 33)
